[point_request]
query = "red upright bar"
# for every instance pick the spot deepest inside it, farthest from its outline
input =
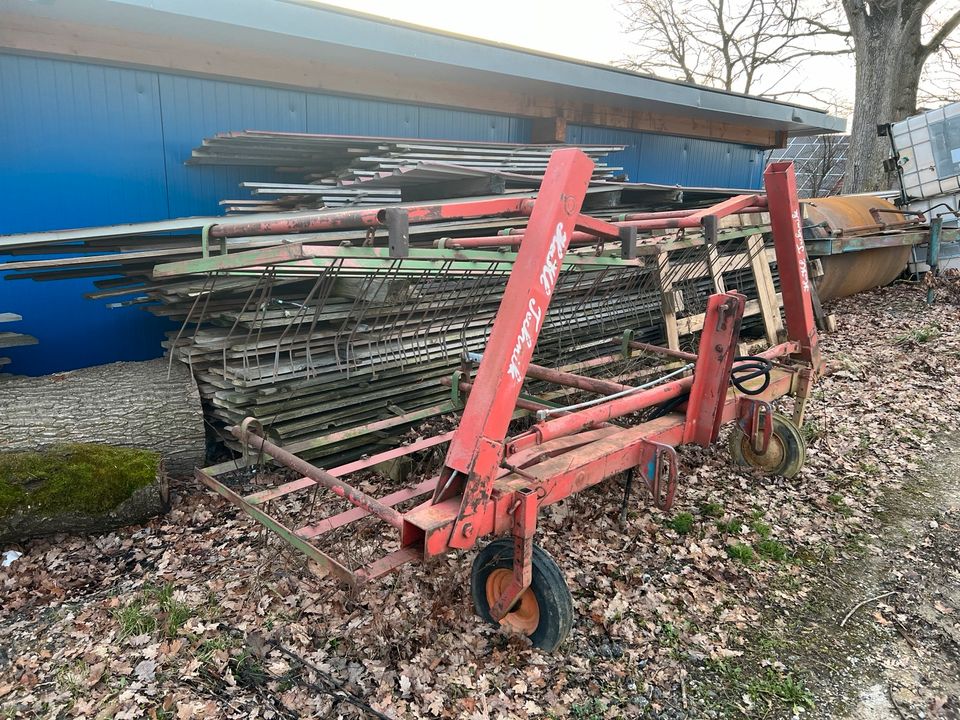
(786, 223)
(711, 376)
(476, 450)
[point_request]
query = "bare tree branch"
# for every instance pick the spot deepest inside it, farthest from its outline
(736, 45)
(939, 37)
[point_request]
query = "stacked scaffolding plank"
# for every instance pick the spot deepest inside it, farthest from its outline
(338, 171)
(12, 339)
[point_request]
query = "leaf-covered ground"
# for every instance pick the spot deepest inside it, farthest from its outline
(199, 615)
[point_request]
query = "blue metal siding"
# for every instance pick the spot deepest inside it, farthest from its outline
(194, 108)
(461, 125)
(79, 145)
(673, 160)
(704, 163)
(84, 144)
(628, 159)
(336, 115)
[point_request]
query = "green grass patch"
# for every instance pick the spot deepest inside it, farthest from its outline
(812, 431)
(207, 648)
(82, 477)
(711, 509)
(768, 689)
(669, 634)
(73, 678)
(785, 688)
(731, 527)
(154, 609)
(248, 671)
(741, 552)
(593, 709)
(761, 529)
(922, 334)
(681, 523)
(172, 613)
(135, 619)
(772, 550)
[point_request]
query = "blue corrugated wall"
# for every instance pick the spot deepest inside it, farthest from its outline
(676, 160)
(84, 144)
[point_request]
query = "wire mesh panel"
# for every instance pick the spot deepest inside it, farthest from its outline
(338, 348)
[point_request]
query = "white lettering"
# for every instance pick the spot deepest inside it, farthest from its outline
(555, 253)
(801, 249)
(534, 314)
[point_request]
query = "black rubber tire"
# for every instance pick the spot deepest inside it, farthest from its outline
(790, 439)
(550, 589)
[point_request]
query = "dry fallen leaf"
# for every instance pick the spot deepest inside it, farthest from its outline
(96, 672)
(146, 670)
(936, 705)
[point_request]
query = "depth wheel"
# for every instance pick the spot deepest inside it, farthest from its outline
(786, 452)
(543, 612)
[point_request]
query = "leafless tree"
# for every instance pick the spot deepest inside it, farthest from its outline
(748, 46)
(940, 79)
(893, 40)
(826, 164)
(760, 46)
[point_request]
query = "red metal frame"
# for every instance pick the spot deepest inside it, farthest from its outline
(491, 484)
(476, 449)
(787, 226)
(373, 217)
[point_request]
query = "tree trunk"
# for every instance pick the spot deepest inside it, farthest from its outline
(78, 489)
(131, 404)
(889, 57)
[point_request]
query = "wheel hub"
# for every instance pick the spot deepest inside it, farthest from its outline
(770, 460)
(525, 615)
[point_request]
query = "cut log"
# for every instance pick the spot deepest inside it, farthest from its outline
(78, 489)
(127, 404)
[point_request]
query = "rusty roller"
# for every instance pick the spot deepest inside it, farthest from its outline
(854, 272)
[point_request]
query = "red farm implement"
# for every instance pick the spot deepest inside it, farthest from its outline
(494, 485)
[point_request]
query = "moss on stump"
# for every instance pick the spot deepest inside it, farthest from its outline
(78, 488)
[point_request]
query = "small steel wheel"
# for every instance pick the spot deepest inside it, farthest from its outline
(785, 453)
(544, 611)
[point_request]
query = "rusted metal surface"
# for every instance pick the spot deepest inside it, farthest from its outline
(755, 419)
(326, 563)
(353, 219)
(660, 469)
(476, 449)
(855, 272)
(521, 403)
(258, 443)
(848, 211)
(658, 350)
(856, 264)
(326, 525)
(594, 385)
(524, 511)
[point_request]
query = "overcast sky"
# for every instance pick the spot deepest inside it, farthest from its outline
(585, 30)
(590, 30)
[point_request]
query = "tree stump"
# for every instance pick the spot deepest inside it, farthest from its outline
(78, 489)
(126, 404)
